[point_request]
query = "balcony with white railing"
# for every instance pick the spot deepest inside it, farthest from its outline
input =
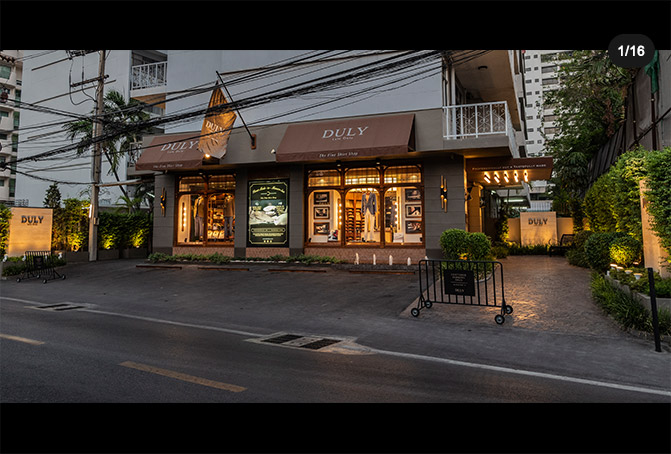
(473, 121)
(148, 76)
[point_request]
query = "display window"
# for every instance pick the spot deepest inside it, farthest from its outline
(324, 216)
(206, 209)
(365, 205)
(403, 215)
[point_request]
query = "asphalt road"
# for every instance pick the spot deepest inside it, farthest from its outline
(190, 335)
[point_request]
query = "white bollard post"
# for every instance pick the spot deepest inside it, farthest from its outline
(374, 259)
(391, 260)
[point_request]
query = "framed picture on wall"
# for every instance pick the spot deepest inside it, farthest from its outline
(413, 226)
(412, 195)
(322, 213)
(322, 198)
(322, 228)
(413, 211)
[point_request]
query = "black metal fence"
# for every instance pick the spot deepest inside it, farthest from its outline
(464, 282)
(40, 264)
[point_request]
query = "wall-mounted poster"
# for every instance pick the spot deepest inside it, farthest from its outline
(267, 223)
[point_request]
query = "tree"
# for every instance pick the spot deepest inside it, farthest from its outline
(52, 198)
(589, 109)
(119, 114)
(5, 216)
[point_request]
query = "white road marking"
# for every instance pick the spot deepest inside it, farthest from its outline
(21, 339)
(392, 353)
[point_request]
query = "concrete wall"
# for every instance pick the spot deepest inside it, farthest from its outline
(164, 223)
(526, 236)
(451, 167)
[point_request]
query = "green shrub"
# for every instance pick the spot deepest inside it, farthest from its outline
(454, 244)
(500, 250)
(625, 251)
(576, 254)
(628, 312)
(5, 216)
(658, 166)
(479, 247)
(537, 249)
(597, 249)
(459, 245)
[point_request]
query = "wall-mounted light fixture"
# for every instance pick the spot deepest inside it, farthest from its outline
(443, 193)
(163, 200)
(505, 177)
(496, 178)
(516, 176)
(487, 179)
(526, 176)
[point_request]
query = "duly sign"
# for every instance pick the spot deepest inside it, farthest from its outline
(216, 126)
(29, 230)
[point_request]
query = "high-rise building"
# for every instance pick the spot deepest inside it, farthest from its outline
(11, 76)
(541, 77)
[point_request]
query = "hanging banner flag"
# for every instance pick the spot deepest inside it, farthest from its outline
(216, 127)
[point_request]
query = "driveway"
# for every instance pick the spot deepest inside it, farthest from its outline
(547, 294)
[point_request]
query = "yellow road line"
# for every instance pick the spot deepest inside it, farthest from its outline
(21, 339)
(183, 377)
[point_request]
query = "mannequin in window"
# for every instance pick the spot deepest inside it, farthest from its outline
(199, 221)
(229, 213)
(368, 212)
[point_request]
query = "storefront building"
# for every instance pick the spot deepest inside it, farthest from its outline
(348, 188)
(352, 187)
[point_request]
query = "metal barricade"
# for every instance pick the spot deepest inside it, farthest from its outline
(464, 282)
(40, 264)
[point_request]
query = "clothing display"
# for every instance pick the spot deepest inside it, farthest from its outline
(199, 221)
(369, 211)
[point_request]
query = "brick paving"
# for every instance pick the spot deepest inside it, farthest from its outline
(546, 293)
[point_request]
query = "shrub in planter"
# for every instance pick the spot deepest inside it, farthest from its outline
(597, 249)
(625, 251)
(458, 244)
(479, 247)
(454, 244)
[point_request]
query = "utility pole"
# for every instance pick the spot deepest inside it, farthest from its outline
(97, 161)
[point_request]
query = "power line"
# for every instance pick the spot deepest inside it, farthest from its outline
(336, 80)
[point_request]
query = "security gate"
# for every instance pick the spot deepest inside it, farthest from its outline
(464, 282)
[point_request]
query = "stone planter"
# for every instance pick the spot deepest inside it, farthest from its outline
(662, 303)
(134, 253)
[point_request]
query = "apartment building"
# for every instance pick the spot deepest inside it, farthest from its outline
(540, 77)
(11, 77)
(59, 86)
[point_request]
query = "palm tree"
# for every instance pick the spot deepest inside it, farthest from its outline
(117, 112)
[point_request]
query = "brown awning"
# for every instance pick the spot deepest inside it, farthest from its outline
(486, 170)
(171, 152)
(347, 138)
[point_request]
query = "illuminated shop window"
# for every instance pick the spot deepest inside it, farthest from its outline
(206, 214)
(403, 216)
(367, 205)
(362, 216)
(363, 176)
(318, 178)
(324, 216)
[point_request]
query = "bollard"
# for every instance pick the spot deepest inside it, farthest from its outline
(653, 309)
(374, 260)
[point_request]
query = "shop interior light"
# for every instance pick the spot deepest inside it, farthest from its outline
(487, 178)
